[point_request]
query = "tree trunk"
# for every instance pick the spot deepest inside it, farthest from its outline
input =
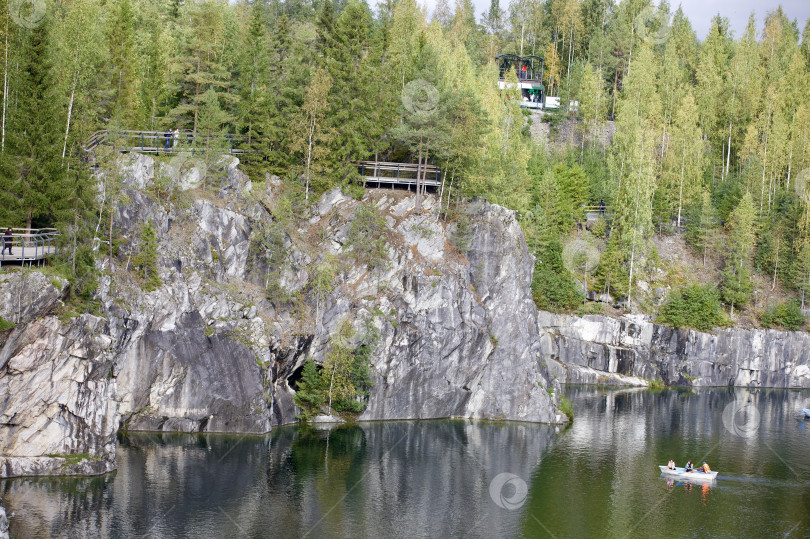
(728, 150)
(522, 28)
(762, 193)
(70, 112)
(635, 228)
(615, 86)
(5, 93)
(309, 156)
(418, 185)
(680, 190)
(790, 157)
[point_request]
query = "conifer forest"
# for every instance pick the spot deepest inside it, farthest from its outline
(671, 180)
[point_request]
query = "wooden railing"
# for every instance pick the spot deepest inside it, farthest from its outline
(168, 142)
(388, 173)
(28, 245)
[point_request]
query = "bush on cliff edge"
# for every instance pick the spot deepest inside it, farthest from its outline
(693, 306)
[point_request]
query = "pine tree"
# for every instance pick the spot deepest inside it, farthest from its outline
(281, 102)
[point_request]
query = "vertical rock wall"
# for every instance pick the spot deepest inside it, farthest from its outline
(631, 349)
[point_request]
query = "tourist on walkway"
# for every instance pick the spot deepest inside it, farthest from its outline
(168, 136)
(8, 239)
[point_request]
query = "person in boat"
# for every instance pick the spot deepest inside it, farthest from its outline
(705, 468)
(671, 464)
(689, 467)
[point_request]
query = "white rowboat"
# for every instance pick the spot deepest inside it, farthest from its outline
(681, 473)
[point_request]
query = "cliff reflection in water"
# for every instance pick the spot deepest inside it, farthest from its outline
(607, 465)
(599, 477)
(428, 478)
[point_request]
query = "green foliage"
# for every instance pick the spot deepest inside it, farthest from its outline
(267, 249)
(5, 324)
(567, 407)
(574, 191)
(310, 395)
(366, 236)
(600, 228)
(786, 315)
(345, 378)
(323, 278)
(32, 180)
(553, 286)
(354, 189)
(737, 287)
(462, 235)
(145, 262)
(656, 385)
(693, 306)
(611, 276)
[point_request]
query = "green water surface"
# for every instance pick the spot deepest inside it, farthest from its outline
(456, 478)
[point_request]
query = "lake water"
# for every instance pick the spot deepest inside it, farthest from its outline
(450, 478)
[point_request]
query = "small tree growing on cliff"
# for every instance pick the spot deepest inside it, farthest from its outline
(338, 364)
(366, 236)
(146, 259)
(309, 396)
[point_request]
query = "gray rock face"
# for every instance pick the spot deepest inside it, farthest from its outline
(57, 407)
(3, 523)
(446, 348)
(220, 344)
(465, 343)
(597, 349)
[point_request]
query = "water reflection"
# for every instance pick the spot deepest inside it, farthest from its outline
(422, 479)
(599, 478)
(620, 437)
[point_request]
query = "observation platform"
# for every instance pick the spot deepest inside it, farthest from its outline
(28, 245)
(529, 73)
(162, 142)
(394, 174)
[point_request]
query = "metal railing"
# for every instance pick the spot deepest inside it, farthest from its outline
(168, 142)
(384, 172)
(28, 245)
(597, 210)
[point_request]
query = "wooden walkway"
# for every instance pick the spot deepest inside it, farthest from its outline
(28, 245)
(159, 143)
(387, 173)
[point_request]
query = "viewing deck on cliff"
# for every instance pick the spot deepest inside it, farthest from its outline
(168, 142)
(393, 174)
(28, 245)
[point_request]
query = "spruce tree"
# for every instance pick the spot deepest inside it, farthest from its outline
(33, 177)
(121, 45)
(254, 71)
